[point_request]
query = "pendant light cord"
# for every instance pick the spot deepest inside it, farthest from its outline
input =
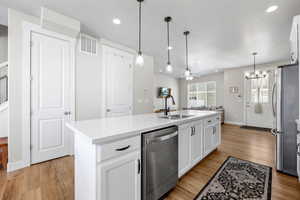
(254, 63)
(168, 30)
(140, 26)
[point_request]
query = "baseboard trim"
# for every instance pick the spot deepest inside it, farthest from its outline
(234, 123)
(13, 166)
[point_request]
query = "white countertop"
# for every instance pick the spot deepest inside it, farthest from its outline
(103, 130)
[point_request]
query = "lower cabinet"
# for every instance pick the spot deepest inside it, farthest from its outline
(184, 148)
(189, 146)
(197, 140)
(211, 137)
(120, 178)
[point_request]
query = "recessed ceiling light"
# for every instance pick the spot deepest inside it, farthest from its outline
(116, 21)
(272, 8)
(170, 48)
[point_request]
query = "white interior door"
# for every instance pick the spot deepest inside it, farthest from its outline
(50, 97)
(119, 82)
(259, 91)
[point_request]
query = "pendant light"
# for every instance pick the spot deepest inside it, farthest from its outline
(169, 67)
(255, 74)
(187, 73)
(140, 59)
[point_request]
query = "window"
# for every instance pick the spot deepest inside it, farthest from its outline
(260, 90)
(202, 94)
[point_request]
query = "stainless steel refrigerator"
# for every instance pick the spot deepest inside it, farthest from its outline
(285, 103)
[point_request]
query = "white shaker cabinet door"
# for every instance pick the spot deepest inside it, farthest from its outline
(216, 136)
(120, 178)
(197, 142)
(184, 146)
(208, 132)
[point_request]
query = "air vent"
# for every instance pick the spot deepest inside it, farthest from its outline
(88, 44)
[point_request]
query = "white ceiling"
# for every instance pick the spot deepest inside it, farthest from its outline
(223, 32)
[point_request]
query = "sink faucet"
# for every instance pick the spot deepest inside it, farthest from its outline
(167, 109)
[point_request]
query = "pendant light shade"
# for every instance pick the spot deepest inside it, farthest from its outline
(139, 58)
(188, 74)
(169, 67)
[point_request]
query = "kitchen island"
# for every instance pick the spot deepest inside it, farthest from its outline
(108, 150)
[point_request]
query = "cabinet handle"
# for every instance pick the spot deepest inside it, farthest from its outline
(193, 131)
(139, 166)
(123, 149)
(298, 153)
(209, 121)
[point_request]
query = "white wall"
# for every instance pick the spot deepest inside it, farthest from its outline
(88, 85)
(217, 77)
(233, 104)
(143, 87)
(89, 89)
(15, 22)
(161, 80)
(3, 120)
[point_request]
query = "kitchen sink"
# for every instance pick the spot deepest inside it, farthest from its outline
(177, 116)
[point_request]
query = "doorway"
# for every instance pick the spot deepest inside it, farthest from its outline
(118, 78)
(50, 96)
(258, 101)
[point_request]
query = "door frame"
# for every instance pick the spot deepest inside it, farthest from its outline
(28, 28)
(105, 46)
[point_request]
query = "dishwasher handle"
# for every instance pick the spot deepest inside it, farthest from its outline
(163, 138)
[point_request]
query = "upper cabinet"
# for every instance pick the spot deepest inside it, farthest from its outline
(294, 41)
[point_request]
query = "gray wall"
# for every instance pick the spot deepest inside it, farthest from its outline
(3, 43)
(233, 104)
(161, 80)
(217, 77)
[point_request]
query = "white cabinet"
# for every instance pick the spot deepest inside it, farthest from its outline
(184, 148)
(294, 40)
(207, 138)
(109, 171)
(120, 178)
(216, 137)
(212, 135)
(196, 142)
(190, 146)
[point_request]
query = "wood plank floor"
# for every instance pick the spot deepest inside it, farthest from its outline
(54, 180)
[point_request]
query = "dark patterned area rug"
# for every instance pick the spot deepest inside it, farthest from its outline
(239, 180)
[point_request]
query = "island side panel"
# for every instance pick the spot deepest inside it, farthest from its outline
(85, 169)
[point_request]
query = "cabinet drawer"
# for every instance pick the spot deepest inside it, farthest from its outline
(118, 148)
(212, 120)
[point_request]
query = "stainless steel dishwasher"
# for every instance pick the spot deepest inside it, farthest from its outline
(159, 162)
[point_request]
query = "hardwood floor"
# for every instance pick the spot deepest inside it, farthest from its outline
(54, 180)
(245, 144)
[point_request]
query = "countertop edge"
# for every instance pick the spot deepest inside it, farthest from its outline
(133, 133)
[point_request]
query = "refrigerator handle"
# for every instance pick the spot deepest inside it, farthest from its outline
(273, 99)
